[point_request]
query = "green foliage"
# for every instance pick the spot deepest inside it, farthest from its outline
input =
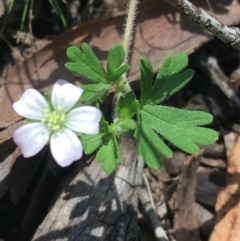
(150, 146)
(85, 63)
(91, 143)
(127, 106)
(106, 145)
(115, 59)
(109, 155)
(171, 78)
(94, 93)
(146, 78)
(122, 127)
(181, 127)
(127, 127)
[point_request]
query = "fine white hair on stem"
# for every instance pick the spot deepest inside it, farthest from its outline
(128, 31)
(123, 86)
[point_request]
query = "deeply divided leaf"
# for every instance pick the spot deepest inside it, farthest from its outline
(109, 155)
(127, 106)
(177, 126)
(85, 63)
(171, 78)
(115, 60)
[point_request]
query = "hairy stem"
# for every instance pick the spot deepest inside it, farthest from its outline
(123, 86)
(127, 37)
(229, 36)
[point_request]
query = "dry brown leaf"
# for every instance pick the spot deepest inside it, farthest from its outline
(185, 222)
(160, 30)
(228, 202)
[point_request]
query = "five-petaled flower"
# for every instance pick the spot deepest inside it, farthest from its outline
(58, 121)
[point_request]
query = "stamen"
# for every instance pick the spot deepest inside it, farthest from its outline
(56, 127)
(62, 118)
(55, 119)
(59, 107)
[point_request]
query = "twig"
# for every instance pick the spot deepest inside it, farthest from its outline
(210, 65)
(149, 190)
(229, 36)
(149, 211)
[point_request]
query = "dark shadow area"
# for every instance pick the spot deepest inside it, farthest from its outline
(16, 189)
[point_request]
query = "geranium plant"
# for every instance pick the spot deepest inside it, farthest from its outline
(71, 129)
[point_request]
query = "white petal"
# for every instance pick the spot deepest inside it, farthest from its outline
(31, 105)
(31, 138)
(84, 119)
(65, 147)
(65, 94)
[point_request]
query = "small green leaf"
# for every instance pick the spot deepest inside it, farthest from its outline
(146, 78)
(115, 60)
(91, 143)
(95, 93)
(177, 127)
(109, 155)
(123, 127)
(127, 106)
(85, 63)
(170, 78)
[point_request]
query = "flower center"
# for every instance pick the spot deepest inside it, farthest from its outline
(54, 119)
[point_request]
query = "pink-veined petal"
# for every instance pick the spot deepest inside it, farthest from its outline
(65, 147)
(84, 119)
(65, 95)
(31, 138)
(31, 105)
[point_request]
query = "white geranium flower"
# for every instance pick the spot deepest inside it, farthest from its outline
(58, 122)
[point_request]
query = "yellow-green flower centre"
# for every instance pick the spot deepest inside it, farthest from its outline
(54, 119)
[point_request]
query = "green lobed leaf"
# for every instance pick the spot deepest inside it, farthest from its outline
(173, 65)
(127, 107)
(85, 63)
(185, 135)
(146, 78)
(95, 93)
(109, 155)
(150, 146)
(91, 143)
(170, 78)
(115, 60)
